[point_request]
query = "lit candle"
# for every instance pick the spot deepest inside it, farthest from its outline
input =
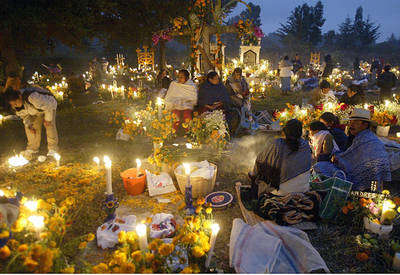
(17, 161)
(1, 193)
(37, 223)
(57, 157)
(398, 134)
(138, 165)
(141, 230)
(31, 205)
(214, 232)
(107, 164)
(159, 104)
(97, 161)
(387, 205)
(187, 173)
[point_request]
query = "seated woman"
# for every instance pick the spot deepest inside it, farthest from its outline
(323, 94)
(237, 87)
(284, 166)
(213, 95)
(332, 123)
(354, 95)
(181, 97)
(322, 143)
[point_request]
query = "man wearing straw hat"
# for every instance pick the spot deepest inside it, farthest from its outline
(366, 159)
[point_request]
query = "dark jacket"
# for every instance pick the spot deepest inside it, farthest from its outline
(358, 98)
(387, 80)
(209, 94)
(340, 138)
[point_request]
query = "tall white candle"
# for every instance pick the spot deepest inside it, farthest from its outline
(141, 230)
(138, 165)
(187, 173)
(57, 157)
(159, 105)
(214, 232)
(107, 164)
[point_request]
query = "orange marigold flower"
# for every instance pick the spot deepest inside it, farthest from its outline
(362, 256)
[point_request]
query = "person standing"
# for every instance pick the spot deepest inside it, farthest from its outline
(296, 63)
(327, 66)
(35, 106)
(386, 81)
(285, 73)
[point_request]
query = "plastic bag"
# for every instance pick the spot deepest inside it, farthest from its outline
(270, 248)
(107, 233)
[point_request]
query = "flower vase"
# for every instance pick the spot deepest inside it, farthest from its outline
(382, 131)
(380, 229)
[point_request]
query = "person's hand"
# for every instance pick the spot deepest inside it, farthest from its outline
(32, 130)
(46, 123)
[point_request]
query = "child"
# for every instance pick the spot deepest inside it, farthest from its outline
(322, 143)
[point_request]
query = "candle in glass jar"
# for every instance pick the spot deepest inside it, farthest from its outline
(107, 164)
(141, 230)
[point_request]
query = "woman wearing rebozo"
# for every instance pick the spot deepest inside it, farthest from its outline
(181, 97)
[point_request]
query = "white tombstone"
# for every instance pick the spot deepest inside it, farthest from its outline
(250, 54)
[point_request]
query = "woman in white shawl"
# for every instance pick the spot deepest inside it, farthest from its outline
(181, 97)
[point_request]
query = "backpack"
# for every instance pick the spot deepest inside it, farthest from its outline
(30, 90)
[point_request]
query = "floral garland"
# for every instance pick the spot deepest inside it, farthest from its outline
(248, 33)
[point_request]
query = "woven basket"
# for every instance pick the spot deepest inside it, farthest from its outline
(200, 186)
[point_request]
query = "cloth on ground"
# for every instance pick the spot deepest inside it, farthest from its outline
(181, 96)
(269, 248)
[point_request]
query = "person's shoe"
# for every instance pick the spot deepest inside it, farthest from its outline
(28, 154)
(51, 153)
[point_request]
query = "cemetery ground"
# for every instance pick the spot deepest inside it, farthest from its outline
(85, 132)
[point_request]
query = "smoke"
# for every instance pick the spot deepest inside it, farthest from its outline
(243, 152)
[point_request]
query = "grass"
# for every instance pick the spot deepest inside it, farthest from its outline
(85, 132)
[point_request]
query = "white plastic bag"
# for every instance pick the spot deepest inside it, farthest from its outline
(162, 226)
(122, 136)
(270, 248)
(159, 184)
(107, 233)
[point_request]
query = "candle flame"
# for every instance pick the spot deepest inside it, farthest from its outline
(187, 168)
(31, 205)
(37, 221)
(215, 228)
(107, 161)
(96, 160)
(138, 164)
(141, 230)
(159, 101)
(57, 157)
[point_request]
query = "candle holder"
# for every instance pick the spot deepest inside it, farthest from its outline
(189, 201)
(110, 205)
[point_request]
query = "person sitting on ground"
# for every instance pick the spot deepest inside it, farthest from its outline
(322, 142)
(366, 159)
(181, 98)
(285, 73)
(284, 166)
(237, 87)
(327, 66)
(35, 106)
(354, 96)
(337, 131)
(386, 81)
(213, 94)
(323, 94)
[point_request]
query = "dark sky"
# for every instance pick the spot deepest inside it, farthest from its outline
(384, 12)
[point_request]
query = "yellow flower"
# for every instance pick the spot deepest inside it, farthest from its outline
(82, 245)
(198, 209)
(197, 252)
(385, 192)
(201, 201)
(149, 257)
(4, 252)
(128, 268)
(122, 237)
(22, 248)
(208, 210)
(100, 268)
(166, 249)
(120, 257)
(147, 271)
(30, 264)
(4, 234)
(68, 270)
(137, 256)
(187, 270)
(52, 244)
(90, 237)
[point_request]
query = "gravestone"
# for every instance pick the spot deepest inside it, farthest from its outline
(250, 54)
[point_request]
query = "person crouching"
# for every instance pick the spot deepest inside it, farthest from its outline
(35, 106)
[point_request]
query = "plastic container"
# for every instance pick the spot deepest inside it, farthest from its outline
(200, 186)
(382, 131)
(133, 184)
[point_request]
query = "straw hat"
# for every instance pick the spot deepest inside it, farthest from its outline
(360, 114)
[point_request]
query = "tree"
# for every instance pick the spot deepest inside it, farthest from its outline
(304, 24)
(253, 13)
(346, 34)
(37, 25)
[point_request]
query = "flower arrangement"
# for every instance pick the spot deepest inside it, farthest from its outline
(305, 115)
(248, 32)
(185, 253)
(383, 118)
(209, 128)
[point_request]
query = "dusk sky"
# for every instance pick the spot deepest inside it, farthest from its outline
(384, 12)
